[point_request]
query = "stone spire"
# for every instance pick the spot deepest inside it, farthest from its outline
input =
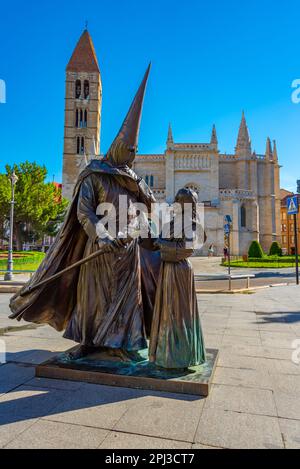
(84, 57)
(214, 138)
(170, 140)
(243, 146)
(275, 154)
(269, 152)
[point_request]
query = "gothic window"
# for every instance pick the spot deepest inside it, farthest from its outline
(77, 89)
(81, 118)
(85, 119)
(82, 146)
(77, 118)
(86, 89)
(243, 216)
(151, 181)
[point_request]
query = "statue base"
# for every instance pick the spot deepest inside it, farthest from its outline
(138, 373)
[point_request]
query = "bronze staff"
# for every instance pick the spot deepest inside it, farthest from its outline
(104, 250)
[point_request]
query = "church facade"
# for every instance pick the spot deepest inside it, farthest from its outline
(244, 185)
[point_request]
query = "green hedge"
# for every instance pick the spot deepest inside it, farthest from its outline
(255, 251)
(27, 258)
(272, 260)
(275, 249)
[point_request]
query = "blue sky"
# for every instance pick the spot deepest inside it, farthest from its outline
(210, 61)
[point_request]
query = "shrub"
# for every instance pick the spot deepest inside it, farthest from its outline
(255, 250)
(275, 249)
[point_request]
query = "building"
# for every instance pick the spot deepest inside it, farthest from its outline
(83, 103)
(244, 185)
(287, 225)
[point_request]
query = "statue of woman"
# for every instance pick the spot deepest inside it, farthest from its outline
(176, 339)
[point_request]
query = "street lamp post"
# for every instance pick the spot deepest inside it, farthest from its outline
(10, 262)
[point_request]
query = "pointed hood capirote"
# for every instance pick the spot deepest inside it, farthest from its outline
(124, 147)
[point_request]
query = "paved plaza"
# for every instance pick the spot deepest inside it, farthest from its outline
(254, 402)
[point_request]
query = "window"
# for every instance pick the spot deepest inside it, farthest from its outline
(283, 227)
(86, 89)
(149, 180)
(81, 118)
(77, 89)
(243, 216)
(80, 145)
(284, 239)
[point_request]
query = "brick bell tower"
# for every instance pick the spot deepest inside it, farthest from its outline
(83, 103)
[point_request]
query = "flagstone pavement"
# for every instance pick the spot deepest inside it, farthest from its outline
(254, 401)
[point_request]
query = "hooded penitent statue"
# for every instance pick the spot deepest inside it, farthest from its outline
(108, 301)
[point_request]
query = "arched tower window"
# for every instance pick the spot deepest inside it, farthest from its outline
(85, 119)
(81, 118)
(82, 146)
(86, 89)
(77, 118)
(77, 89)
(243, 216)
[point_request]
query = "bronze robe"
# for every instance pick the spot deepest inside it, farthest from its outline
(109, 309)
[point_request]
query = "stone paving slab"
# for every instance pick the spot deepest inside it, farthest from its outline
(288, 406)
(95, 407)
(240, 340)
(243, 377)
(22, 407)
(238, 430)
(54, 435)
(175, 418)
(290, 430)
(119, 440)
(55, 384)
(13, 375)
(242, 399)
(286, 384)
(281, 367)
(258, 351)
(229, 360)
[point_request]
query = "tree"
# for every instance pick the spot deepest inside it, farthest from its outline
(39, 206)
(5, 194)
(275, 249)
(255, 250)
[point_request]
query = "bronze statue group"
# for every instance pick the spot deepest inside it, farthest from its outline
(137, 289)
